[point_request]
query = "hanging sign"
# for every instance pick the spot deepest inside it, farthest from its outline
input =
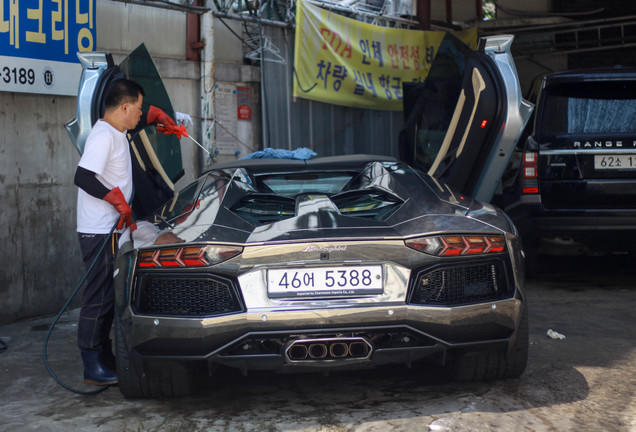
(347, 62)
(39, 41)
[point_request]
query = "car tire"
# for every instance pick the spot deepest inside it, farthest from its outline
(136, 382)
(170, 382)
(489, 365)
(130, 381)
(518, 357)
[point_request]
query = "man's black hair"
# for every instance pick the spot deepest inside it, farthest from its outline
(121, 91)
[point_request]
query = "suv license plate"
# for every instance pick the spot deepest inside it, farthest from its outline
(324, 281)
(615, 162)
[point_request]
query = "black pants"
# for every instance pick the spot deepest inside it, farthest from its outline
(98, 297)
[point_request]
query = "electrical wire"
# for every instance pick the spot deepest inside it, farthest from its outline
(298, 82)
(235, 34)
(59, 314)
(294, 73)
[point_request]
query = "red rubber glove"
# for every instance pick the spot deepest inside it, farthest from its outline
(117, 200)
(165, 124)
(179, 131)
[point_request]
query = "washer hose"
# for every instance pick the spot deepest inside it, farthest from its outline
(59, 314)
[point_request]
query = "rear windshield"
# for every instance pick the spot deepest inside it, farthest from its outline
(294, 184)
(589, 108)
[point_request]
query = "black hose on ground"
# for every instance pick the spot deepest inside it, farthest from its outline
(59, 314)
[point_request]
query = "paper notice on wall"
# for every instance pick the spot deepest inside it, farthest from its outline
(226, 122)
(244, 102)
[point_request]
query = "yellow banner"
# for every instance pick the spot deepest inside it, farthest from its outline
(342, 61)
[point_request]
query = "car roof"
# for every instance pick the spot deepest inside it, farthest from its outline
(330, 162)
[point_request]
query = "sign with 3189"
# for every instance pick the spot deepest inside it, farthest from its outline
(39, 42)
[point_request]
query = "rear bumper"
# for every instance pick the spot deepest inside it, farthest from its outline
(602, 230)
(549, 222)
(261, 340)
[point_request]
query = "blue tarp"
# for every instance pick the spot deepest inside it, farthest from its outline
(302, 153)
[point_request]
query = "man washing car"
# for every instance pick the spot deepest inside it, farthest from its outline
(105, 181)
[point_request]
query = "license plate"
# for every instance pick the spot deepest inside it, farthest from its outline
(324, 281)
(615, 162)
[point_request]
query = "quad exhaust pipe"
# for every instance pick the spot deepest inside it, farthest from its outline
(328, 349)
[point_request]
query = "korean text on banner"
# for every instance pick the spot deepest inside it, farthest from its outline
(347, 62)
(39, 41)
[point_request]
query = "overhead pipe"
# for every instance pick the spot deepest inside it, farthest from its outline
(252, 18)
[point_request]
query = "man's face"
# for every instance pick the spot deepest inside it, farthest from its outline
(133, 112)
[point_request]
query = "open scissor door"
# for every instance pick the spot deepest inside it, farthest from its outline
(463, 122)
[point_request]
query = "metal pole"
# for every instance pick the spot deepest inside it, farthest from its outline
(424, 14)
(207, 88)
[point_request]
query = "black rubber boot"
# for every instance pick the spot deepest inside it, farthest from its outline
(95, 372)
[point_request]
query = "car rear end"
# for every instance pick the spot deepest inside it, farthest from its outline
(578, 172)
(394, 268)
(321, 306)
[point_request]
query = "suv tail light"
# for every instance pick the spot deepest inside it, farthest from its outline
(530, 173)
(454, 245)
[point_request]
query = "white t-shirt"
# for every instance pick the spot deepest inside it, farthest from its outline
(106, 153)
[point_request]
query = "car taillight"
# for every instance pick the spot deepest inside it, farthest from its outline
(530, 178)
(191, 256)
(455, 245)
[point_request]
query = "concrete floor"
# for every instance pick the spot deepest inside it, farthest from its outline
(585, 382)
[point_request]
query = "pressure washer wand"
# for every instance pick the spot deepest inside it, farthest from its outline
(197, 143)
(179, 131)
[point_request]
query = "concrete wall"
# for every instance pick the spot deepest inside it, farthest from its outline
(230, 68)
(38, 245)
(530, 69)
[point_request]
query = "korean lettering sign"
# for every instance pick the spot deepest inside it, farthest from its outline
(39, 41)
(347, 62)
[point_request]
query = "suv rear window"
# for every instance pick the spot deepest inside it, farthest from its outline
(589, 108)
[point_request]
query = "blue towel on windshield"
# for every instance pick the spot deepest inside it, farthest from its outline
(302, 153)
